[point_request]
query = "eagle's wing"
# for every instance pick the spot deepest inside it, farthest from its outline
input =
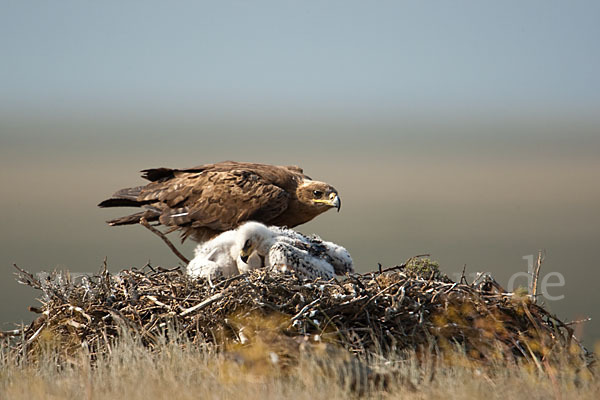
(218, 200)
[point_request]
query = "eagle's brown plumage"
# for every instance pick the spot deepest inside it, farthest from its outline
(206, 200)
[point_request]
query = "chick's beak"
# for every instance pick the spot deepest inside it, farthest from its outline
(246, 252)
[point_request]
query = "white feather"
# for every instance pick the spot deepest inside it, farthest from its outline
(179, 215)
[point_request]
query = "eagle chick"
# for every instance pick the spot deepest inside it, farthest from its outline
(254, 245)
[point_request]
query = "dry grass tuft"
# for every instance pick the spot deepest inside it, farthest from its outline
(182, 370)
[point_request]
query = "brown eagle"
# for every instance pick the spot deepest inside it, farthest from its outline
(206, 200)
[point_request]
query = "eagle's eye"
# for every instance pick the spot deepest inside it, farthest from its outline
(318, 194)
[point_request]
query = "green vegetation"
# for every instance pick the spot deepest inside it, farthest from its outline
(425, 268)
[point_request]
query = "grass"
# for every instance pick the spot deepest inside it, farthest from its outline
(176, 370)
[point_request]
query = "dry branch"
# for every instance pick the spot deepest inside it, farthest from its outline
(536, 275)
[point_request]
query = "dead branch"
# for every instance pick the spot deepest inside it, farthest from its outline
(536, 275)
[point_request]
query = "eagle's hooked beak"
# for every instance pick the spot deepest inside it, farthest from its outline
(336, 202)
(333, 201)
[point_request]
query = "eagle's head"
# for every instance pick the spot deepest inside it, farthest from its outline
(318, 195)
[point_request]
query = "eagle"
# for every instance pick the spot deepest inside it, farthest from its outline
(206, 200)
(254, 245)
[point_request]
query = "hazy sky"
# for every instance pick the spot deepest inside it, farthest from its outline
(379, 55)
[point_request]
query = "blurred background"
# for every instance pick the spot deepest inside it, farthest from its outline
(467, 130)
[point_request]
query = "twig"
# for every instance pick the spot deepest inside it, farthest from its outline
(165, 239)
(536, 275)
(377, 295)
(579, 321)
(304, 309)
(34, 282)
(463, 278)
(156, 301)
(394, 268)
(479, 275)
(32, 338)
(341, 286)
(14, 332)
(403, 265)
(202, 304)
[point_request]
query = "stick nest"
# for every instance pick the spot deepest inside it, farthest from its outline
(408, 307)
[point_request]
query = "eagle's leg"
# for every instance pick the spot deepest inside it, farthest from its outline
(165, 239)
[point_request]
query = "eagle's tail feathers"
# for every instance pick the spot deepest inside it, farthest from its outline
(118, 202)
(158, 174)
(150, 216)
(127, 197)
(129, 193)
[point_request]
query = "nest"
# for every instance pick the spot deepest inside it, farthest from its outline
(409, 307)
